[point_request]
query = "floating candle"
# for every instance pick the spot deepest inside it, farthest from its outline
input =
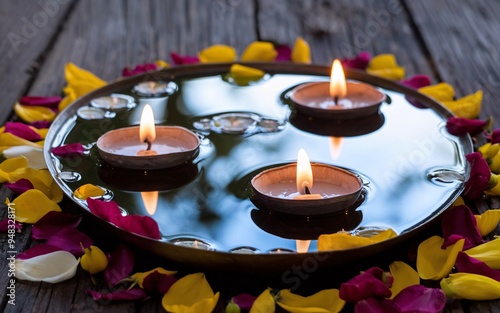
(113, 102)
(155, 88)
(192, 243)
(334, 188)
(337, 98)
(148, 146)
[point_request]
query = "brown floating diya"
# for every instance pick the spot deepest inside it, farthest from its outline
(337, 99)
(290, 189)
(148, 146)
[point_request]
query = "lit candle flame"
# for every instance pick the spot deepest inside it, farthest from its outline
(338, 87)
(304, 172)
(147, 131)
(150, 199)
(302, 245)
(336, 147)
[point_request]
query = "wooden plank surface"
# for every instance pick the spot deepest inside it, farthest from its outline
(463, 42)
(27, 32)
(449, 40)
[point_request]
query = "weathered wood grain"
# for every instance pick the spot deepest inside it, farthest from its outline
(463, 42)
(27, 32)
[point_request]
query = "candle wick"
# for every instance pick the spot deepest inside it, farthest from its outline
(307, 191)
(336, 100)
(149, 144)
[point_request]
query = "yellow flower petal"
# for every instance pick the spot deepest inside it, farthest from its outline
(139, 277)
(259, 51)
(385, 65)
(484, 149)
(404, 276)
(439, 92)
(190, 294)
(488, 221)
(88, 191)
(495, 190)
(325, 301)
(301, 53)
(488, 252)
(342, 240)
(162, 64)
(10, 140)
(466, 107)
(471, 287)
(217, 53)
(41, 180)
(75, 75)
(70, 97)
(10, 166)
(264, 303)
(434, 262)
(94, 260)
(31, 114)
(243, 75)
(32, 205)
(52, 267)
(458, 202)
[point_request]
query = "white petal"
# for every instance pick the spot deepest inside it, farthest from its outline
(52, 267)
(34, 155)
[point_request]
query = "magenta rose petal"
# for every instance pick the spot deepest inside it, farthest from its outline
(22, 130)
(460, 126)
(468, 264)
(4, 225)
(50, 102)
(41, 124)
(70, 239)
(359, 62)
(459, 222)
(142, 225)
(158, 283)
(53, 222)
(106, 210)
(366, 285)
(178, 59)
(120, 265)
(284, 53)
(372, 305)
(244, 301)
(127, 295)
(37, 250)
(416, 81)
(20, 186)
(479, 176)
(418, 298)
(72, 149)
(139, 69)
(495, 136)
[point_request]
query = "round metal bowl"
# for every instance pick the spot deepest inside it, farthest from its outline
(405, 159)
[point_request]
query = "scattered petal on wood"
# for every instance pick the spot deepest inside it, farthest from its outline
(52, 267)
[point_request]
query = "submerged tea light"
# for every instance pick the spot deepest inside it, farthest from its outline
(337, 99)
(305, 189)
(192, 243)
(148, 146)
(113, 102)
(155, 88)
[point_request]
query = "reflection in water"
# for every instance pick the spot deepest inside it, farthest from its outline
(150, 199)
(305, 228)
(302, 245)
(336, 147)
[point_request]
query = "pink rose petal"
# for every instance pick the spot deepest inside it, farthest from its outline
(157, 283)
(4, 225)
(139, 69)
(41, 124)
(460, 126)
(468, 264)
(19, 186)
(479, 176)
(418, 298)
(373, 305)
(120, 265)
(37, 250)
(244, 301)
(416, 81)
(142, 225)
(49, 102)
(53, 222)
(106, 210)
(127, 295)
(359, 62)
(366, 285)
(178, 59)
(459, 222)
(71, 149)
(284, 53)
(69, 239)
(22, 130)
(495, 136)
